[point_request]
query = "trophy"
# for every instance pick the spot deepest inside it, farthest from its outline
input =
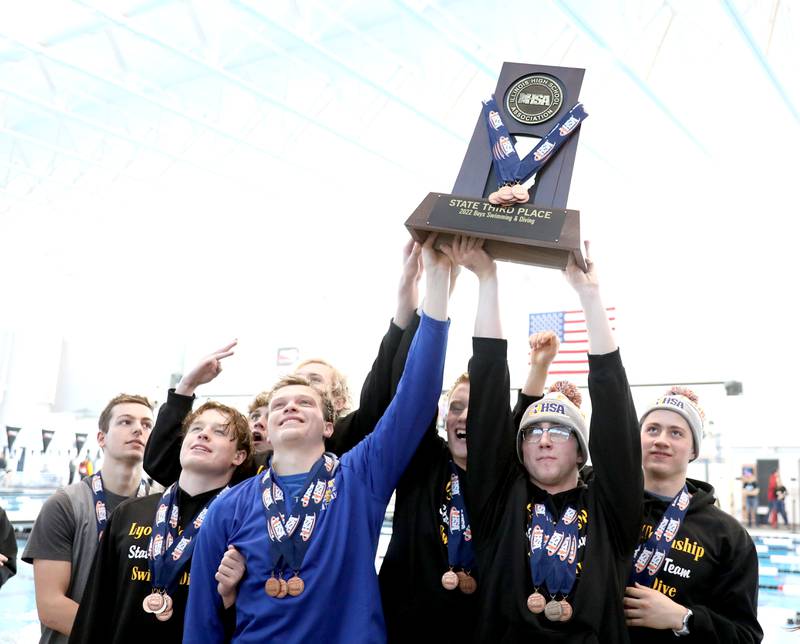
(517, 204)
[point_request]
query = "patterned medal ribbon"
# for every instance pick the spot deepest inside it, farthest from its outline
(551, 142)
(166, 553)
(651, 554)
(553, 560)
(99, 494)
(512, 171)
(457, 535)
(288, 544)
(501, 142)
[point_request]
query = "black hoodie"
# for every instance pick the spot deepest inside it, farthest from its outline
(712, 568)
(498, 494)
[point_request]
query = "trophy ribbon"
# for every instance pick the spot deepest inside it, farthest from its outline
(513, 171)
(650, 555)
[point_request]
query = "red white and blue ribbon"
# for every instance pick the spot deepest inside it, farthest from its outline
(100, 507)
(553, 550)
(650, 555)
(455, 523)
(290, 534)
(510, 169)
(169, 549)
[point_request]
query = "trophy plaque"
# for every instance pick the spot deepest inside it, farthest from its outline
(491, 198)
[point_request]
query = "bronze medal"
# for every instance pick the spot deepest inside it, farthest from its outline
(166, 613)
(567, 611)
(272, 587)
(536, 603)
(553, 610)
(467, 584)
(505, 194)
(295, 586)
(153, 603)
(520, 193)
(494, 198)
(450, 580)
(284, 589)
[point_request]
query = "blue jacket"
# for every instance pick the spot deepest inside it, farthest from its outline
(341, 601)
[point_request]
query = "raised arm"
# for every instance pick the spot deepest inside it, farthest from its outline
(384, 455)
(490, 453)
(614, 441)
(544, 347)
(468, 252)
(587, 286)
(162, 453)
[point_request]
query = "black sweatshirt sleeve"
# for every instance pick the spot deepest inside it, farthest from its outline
(523, 402)
(491, 454)
(8, 547)
(162, 453)
(93, 623)
(400, 356)
(616, 450)
(376, 394)
(729, 616)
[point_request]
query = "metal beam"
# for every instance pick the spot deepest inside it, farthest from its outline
(218, 70)
(761, 59)
(59, 111)
(42, 51)
(642, 84)
(342, 65)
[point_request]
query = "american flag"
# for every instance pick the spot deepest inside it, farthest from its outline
(570, 327)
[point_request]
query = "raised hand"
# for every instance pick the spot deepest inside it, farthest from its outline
(580, 281)
(469, 253)
(544, 348)
(408, 290)
(587, 286)
(205, 371)
(437, 270)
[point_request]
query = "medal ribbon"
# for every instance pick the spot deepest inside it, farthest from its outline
(501, 142)
(553, 549)
(99, 494)
(289, 544)
(455, 522)
(167, 553)
(506, 161)
(650, 555)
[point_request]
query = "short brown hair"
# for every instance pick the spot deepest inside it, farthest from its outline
(261, 400)
(463, 379)
(237, 428)
(104, 421)
(339, 388)
(328, 414)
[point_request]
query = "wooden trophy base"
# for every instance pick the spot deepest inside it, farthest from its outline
(523, 233)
